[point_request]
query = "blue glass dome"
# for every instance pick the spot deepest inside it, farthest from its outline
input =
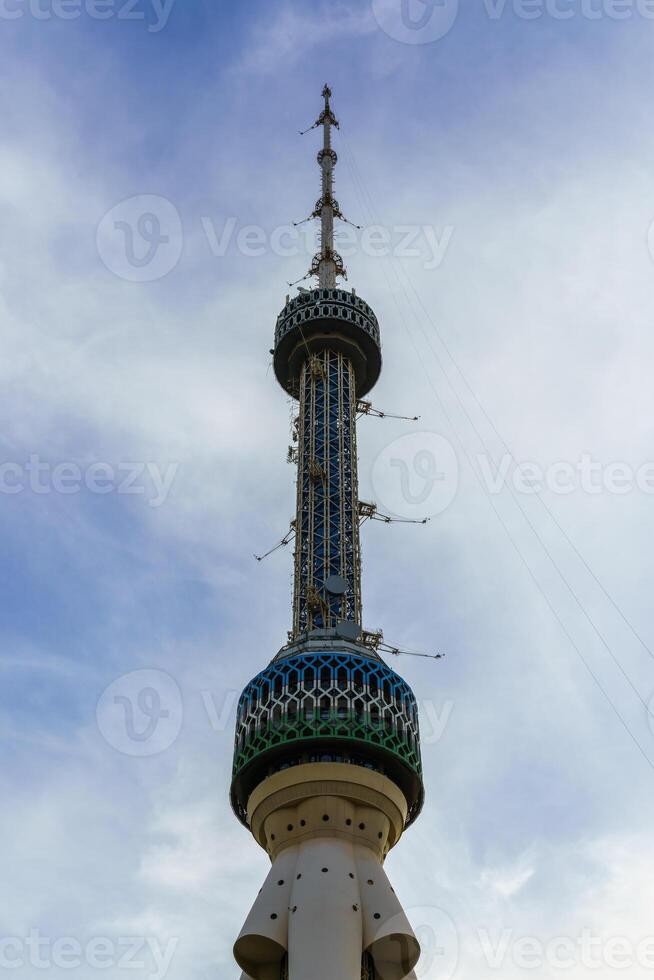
(334, 705)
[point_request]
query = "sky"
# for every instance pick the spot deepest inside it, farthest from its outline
(498, 158)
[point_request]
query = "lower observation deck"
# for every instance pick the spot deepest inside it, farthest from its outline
(334, 319)
(339, 703)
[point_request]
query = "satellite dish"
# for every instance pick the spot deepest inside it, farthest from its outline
(336, 585)
(348, 630)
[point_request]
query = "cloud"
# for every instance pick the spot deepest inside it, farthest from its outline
(292, 32)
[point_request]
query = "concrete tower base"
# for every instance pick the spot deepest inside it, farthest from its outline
(327, 828)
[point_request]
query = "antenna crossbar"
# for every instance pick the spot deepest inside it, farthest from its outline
(367, 408)
(280, 544)
(375, 640)
(370, 512)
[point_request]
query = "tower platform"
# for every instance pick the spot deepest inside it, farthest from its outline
(332, 319)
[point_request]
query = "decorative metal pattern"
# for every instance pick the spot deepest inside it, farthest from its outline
(328, 696)
(322, 303)
(327, 525)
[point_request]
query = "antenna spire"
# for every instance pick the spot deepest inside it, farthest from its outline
(327, 263)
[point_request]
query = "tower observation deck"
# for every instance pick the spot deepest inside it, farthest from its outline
(327, 769)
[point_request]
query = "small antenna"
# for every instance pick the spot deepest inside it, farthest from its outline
(396, 652)
(376, 641)
(370, 512)
(280, 544)
(367, 408)
(327, 264)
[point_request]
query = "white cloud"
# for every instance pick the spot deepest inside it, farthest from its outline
(292, 32)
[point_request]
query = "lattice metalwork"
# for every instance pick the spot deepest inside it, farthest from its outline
(330, 698)
(337, 304)
(327, 526)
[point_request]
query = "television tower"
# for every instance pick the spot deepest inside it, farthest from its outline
(327, 772)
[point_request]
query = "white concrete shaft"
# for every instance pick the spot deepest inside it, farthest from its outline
(327, 828)
(326, 901)
(263, 941)
(387, 933)
(325, 929)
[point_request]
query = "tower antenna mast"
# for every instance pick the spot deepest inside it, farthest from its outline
(329, 263)
(327, 769)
